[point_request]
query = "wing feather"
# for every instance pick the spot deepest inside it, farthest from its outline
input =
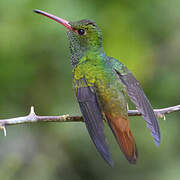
(94, 120)
(142, 104)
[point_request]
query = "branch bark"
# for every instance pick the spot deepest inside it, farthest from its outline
(32, 117)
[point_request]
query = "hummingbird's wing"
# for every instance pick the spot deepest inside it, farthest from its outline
(93, 119)
(139, 98)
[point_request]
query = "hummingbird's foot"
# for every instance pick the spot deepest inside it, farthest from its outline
(159, 115)
(64, 117)
(2, 127)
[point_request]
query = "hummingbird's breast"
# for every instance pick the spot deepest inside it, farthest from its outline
(111, 94)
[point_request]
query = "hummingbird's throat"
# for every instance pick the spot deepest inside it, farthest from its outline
(80, 47)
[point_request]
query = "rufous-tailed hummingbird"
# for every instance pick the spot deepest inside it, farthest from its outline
(101, 85)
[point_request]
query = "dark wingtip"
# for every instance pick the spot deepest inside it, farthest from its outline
(104, 151)
(112, 164)
(157, 142)
(109, 162)
(157, 137)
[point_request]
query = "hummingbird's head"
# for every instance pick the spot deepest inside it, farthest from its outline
(86, 33)
(83, 35)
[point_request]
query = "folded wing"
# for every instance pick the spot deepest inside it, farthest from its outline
(93, 119)
(141, 102)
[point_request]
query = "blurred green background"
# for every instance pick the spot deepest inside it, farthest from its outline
(35, 70)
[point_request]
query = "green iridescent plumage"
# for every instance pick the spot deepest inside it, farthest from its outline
(98, 73)
(102, 85)
(92, 68)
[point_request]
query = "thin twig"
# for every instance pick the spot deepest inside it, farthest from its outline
(32, 117)
(159, 112)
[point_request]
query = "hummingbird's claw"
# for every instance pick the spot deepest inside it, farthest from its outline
(159, 115)
(64, 117)
(164, 117)
(2, 127)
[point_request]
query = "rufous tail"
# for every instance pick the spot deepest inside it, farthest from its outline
(123, 135)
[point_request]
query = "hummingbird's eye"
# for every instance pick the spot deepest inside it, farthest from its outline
(81, 32)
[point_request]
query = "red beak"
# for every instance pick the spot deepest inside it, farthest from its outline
(57, 19)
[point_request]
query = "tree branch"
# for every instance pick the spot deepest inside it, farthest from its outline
(32, 117)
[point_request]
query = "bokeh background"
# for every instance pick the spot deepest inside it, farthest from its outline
(35, 70)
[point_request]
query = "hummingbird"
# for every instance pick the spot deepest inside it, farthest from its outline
(102, 86)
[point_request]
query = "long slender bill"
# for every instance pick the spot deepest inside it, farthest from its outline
(57, 19)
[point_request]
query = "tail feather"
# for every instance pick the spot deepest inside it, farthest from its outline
(123, 135)
(128, 146)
